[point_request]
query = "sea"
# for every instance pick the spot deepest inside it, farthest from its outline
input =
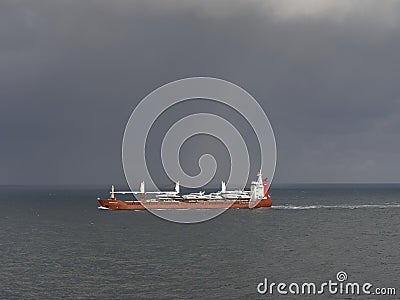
(56, 244)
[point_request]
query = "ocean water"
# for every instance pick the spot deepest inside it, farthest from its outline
(55, 244)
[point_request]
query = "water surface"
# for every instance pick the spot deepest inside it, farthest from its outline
(54, 244)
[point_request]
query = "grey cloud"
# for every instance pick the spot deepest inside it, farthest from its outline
(72, 71)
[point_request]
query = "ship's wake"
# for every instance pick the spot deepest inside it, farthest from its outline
(376, 206)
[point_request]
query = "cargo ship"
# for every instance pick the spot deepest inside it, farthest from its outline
(256, 197)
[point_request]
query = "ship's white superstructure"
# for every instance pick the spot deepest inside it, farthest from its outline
(254, 194)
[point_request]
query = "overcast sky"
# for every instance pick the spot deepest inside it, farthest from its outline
(326, 72)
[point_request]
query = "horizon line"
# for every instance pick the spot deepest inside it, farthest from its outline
(126, 185)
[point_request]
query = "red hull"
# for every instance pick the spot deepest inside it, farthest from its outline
(114, 204)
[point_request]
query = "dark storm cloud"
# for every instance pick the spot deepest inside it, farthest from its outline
(326, 73)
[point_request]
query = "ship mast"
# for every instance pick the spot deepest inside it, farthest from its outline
(112, 192)
(259, 178)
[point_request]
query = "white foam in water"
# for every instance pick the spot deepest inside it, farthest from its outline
(336, 206)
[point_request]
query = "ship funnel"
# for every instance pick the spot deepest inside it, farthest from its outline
(265, 183)
(177, 187)
(223, 187)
